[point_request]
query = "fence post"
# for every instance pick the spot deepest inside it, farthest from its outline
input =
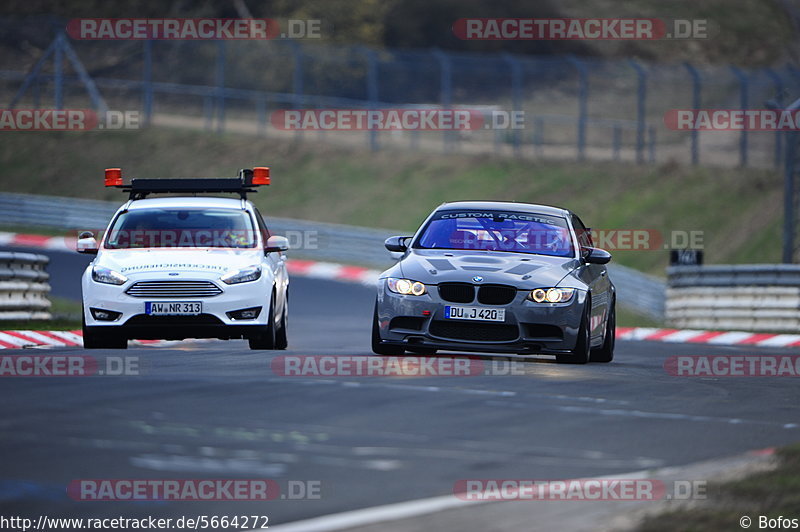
(696, 87)
(516, 98)
(446, 90)
(148, 81)
(372, 92)
(583, 94)
(220, 86)
(58, 70)
(778, 81)
(743, 98)
(641, 95)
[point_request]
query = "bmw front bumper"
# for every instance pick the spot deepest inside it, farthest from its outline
(528, 328)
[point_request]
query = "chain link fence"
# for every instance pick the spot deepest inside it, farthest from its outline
(574, 108)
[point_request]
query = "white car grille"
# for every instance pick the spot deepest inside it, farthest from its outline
(173, 289)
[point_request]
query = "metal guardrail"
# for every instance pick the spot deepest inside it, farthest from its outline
(312, 240)
(751, 297)
(23, 286)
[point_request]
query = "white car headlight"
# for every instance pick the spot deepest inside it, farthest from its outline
(104, 275)
(551, 295)
(406, 287)
(243, 275)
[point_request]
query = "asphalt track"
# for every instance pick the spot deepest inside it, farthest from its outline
(217, 410)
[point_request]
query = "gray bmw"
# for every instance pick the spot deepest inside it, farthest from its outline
(497, 277)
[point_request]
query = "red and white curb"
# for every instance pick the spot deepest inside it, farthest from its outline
(332, 271)
(690, 336)
(26, 339)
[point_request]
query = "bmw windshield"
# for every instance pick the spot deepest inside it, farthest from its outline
(165, 228)
(508, 231)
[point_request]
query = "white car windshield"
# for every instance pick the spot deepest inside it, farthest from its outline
(515, 232)
(166, 228)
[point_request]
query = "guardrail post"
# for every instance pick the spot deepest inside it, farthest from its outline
(696, 88)
(147, 78)
(641, 96)
(583, 96)
(220, 86)
(516, 99)
(778, 81)
(446, 91)
(58, 71)
(743, 98)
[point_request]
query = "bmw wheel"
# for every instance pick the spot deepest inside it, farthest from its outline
(377, 347)
(580, 354)
(605, 353)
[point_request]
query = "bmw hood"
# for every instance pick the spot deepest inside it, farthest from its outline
(517, 269)
(204, 263)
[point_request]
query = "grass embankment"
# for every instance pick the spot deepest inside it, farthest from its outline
(772, 494)
(735, 209)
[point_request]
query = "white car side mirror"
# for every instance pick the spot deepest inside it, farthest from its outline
(277, 243)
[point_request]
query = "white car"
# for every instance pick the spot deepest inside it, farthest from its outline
(186, 267)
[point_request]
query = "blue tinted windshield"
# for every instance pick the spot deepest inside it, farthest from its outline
(514, 232)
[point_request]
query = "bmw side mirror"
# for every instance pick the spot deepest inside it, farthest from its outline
(596, 256)
(276, 243)
(86, 243)
(397, 243)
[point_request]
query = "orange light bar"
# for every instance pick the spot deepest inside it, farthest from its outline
(261, 175)
(113, 177)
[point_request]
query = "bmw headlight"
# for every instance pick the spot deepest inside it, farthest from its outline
(551, 295)
(104, 275)
(406, 287)
(243, 275)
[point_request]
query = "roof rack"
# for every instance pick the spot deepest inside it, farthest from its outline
(140, 188)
